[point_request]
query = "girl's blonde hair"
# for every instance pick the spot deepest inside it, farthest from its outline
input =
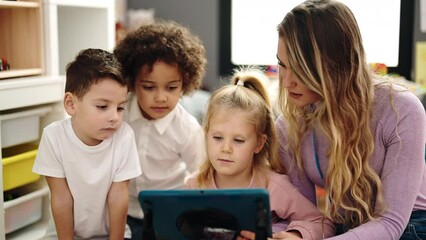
(247, 92)
(325, 51)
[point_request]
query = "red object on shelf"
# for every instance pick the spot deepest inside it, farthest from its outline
(4, 65)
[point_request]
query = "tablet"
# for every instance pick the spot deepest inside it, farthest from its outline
(205, 214)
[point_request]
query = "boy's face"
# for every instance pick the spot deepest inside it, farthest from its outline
(232, 142)
(158, 91)
(99, 113)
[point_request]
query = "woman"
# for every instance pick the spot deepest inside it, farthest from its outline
(344, 129)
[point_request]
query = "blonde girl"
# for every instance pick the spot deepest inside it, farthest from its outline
(242, 149)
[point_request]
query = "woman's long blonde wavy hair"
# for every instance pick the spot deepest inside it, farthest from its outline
(325, 51)
(252, 98)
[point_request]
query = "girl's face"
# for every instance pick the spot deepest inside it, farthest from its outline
(158, 91)
(231, 144)
(297, 91)
(99, 113)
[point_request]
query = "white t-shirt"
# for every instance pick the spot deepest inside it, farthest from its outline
(169, 149)
(89, 171)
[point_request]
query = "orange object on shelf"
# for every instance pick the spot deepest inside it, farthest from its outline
(379, 68)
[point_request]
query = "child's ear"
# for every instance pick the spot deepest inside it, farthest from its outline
(69, 103)
(260, 143)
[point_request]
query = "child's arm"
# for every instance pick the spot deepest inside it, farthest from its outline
(303, 216)
(62, 207)
(306, 217)
(118, 200)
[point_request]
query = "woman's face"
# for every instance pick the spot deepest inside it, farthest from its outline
(298, 93)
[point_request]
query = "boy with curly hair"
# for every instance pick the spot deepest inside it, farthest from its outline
(162, 61)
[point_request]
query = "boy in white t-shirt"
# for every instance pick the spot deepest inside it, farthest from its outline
(89, 158)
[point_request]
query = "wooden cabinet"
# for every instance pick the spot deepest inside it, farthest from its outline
(38, 38)
(21, 38)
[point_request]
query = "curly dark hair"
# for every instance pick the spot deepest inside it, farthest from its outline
(163, 40)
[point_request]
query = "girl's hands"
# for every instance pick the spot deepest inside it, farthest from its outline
(247, 235)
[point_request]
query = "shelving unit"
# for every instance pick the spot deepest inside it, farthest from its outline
(21, 38)
(38, 38)
(28, 93)
(72, 25)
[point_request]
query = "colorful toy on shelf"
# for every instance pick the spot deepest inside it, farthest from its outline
(4, 65)
(379, 68)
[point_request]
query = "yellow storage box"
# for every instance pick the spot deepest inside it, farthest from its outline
(17, 170)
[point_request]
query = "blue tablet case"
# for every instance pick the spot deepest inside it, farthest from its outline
(205, 214)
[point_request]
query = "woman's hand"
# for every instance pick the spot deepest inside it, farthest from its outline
(247, 235)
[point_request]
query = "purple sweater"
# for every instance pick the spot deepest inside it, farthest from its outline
(400, 163)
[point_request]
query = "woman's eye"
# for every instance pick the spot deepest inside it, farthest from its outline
(239, 140)
(102, 107)
(121, 109)
(281, 64)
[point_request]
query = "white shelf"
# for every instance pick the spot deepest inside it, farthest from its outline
(21, 72)
(66, 35)
(68, 26)
(33, 231)
(82, 3)
(27, 92)
(31, 91)
(16, 4)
